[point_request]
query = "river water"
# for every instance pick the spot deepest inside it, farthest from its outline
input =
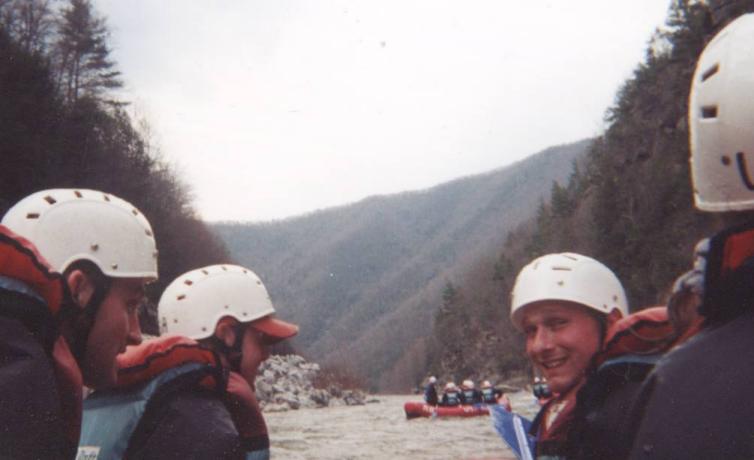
(379, 430)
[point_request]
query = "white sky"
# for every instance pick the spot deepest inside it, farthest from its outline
(272, 108)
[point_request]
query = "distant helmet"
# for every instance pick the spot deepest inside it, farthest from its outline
(68, 225)
(721, 120)
(195, 301)
(486, 384)
(433, 379)
(569, 277)
(450, 386)
(468, 384)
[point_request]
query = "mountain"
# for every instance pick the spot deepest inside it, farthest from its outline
(365, 280)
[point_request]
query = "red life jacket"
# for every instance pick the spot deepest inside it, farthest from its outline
(20, 260)
(144, 362)
(646, 332)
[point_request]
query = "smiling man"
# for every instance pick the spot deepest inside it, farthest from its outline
(564, 304)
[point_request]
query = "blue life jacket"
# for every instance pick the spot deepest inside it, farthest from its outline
(110, 417)
(488, 396)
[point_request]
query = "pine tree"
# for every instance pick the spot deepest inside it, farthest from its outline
(84, 67)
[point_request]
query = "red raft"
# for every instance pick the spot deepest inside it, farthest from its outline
(416, 409)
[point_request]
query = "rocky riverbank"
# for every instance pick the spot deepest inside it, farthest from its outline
(286, 382)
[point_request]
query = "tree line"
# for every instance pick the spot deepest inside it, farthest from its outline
(61, 125)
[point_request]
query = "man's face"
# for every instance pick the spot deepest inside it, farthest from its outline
(255, 349)
(116, 325)
(561, 339)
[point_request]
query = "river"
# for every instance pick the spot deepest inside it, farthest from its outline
(379, 430)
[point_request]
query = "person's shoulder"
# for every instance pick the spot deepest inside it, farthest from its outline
(191, 423)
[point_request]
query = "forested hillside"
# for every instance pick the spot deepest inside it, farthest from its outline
(364, 280)
(61, 126)
(631, 207)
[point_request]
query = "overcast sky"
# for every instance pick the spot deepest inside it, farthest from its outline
(275, 108)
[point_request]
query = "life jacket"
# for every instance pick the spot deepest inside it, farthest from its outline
(632, 347)
(451, 398)
(643, 336)
(488, 396)
(111, 417)
(430, 394)
(24, 271)
(552, 424)
(468, 396)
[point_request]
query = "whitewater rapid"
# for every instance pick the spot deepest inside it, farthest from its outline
(380, 430)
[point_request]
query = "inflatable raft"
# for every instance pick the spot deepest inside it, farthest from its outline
(416, 409)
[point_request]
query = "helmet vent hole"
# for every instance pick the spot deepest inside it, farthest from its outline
(114, 266)
(78, 194)
(709, 111)
(106, 197)
(148, 232)
(225, 269)
(188, 282)
(710, 72)
(725, 159)
(182, 296)
(135, 212)
(559, 268)
(568, 256)
(50, 199)
(205, 272)
(32, 215)
(227, 307)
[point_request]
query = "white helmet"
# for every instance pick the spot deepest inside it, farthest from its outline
(721, 120)
(433, 379)
(468, 384)
(68, 225)
(195, 301)
(570, 277)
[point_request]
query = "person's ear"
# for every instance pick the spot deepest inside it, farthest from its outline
(613, 317)
(225, 331)
(81, 287)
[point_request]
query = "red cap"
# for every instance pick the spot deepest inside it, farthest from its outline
(275, 328)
